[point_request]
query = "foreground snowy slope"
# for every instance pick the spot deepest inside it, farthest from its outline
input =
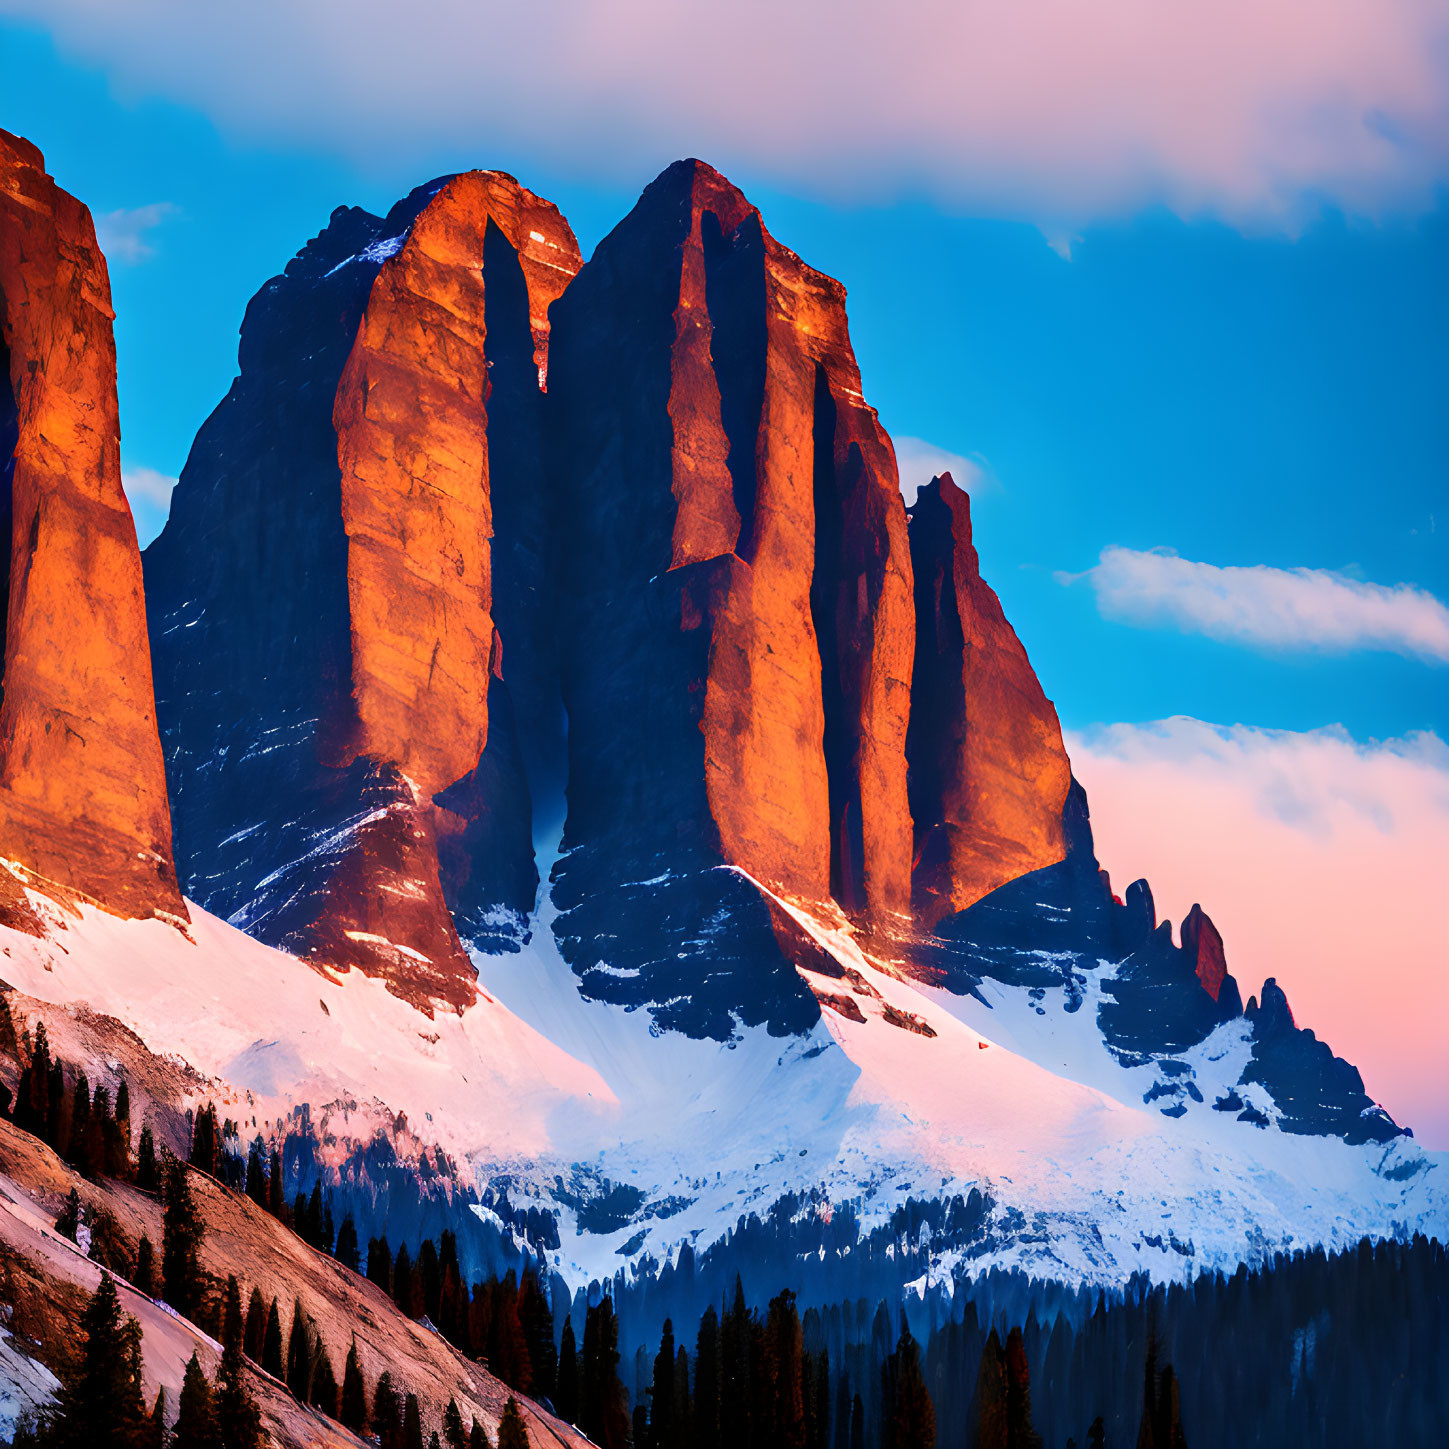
(638, 1140)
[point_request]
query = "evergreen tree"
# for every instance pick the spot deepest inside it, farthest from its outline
(276, 1189)
(1020, 1434)
(205, 1141)
(57, 1110)
(97, 1131)
(478, 1437)
(734, 1378)
(1097, 1434)
(100, 1404)
(69, 1221)
(232, 1320)
(299, 1356)
(148, 1178)
(387, 1412)
(273, 1361)
(512, 1432)
(857, 1424)
(683, 1404)
(535, 1318)
(909, 1416)
(78, 1147)
(145, 1275)
(352, 1410)
(566, 1391)
(313, 1235)
(256, 1188)
(784, 1352)
(990, 1400)
(402, 1278)
(454, 1434)
(707, 1381)
(32, 1096)
(662, 1426)
(379, 1263)
(255, 1333)
(603, 1416)
(116, 1137)
(237, 1415)
(346, 1251)
(323, 1379)
(412, 1430)
(196, 1423)
(181, 1235)
(155, 1435)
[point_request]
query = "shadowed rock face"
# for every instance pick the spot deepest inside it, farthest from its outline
(738, 624)
(347, 775)
(988, 771)
(82, 788)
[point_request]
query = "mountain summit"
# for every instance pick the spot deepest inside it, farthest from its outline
(584, 766)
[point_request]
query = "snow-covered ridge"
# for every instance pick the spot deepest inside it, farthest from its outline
(1012, 1092)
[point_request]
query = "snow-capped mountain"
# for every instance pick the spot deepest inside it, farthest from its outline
(577, 749)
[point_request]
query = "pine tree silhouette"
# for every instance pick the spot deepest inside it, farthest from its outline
(196, 1424)
(100, 1405)
(273, 1360)
(181, 1236)
(255, 1333)
(909, 1416)
(566, 1392)
(148, 1178)
(512, 1432)
(299, 1356)
(352, 1408)
(237, 1415)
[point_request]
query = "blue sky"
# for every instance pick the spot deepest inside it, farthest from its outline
(1240, 399)
(1237, 354)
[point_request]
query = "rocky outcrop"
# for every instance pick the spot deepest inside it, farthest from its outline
(1313, 1090)
(988, 770)
(1203, 943)
(738, 627)
(347, 772)
(83, 805)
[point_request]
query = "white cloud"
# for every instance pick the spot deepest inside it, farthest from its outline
(1060, 239)
(149, 493)
(1276, 608)
(124, 235)
(147, 485)
(918, 461)
(1254, 110)
(1321, 860)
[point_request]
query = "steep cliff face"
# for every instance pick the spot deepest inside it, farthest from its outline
(738, 625)
(347, 776)
(988, 771)
(82, 789)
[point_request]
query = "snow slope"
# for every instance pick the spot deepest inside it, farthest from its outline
(565, 1100)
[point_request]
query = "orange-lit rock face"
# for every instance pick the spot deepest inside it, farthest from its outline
(82, 787)
(412, 440)
(411, 415)
(780, 466)
(989, 774)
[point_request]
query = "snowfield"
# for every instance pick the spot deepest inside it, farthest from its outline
(1014, 1094)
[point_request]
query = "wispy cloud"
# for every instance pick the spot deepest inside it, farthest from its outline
(1059, 109)
(1321, 860)
(918, 462)
(125, 235)
(149, 493)
(1267, 607)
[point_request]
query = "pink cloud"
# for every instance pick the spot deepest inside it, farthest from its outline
(1321, 860)
(1270, 607)
(1057, 110)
